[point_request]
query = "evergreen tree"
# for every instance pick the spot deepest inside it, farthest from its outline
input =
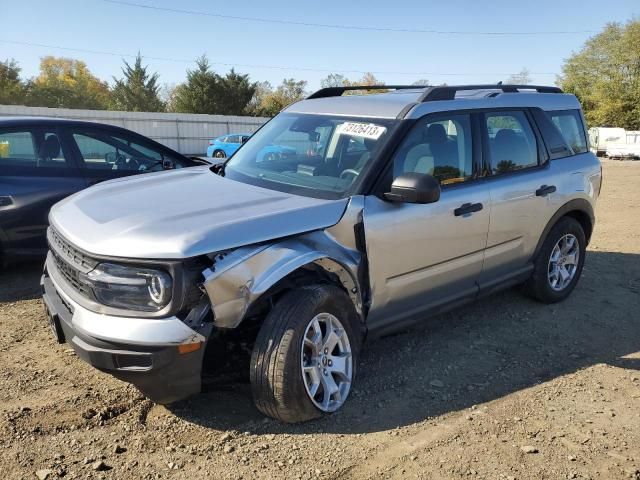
(235, 93)
(199, 94)
(138, 90)
(207, 92)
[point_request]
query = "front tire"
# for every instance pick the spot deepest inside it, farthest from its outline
(559, 263)
(304, 360)
(219, 154)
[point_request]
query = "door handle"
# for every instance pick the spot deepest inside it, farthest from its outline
(467, 208)
(545, 190)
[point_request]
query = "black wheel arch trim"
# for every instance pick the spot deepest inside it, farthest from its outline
(576, 205)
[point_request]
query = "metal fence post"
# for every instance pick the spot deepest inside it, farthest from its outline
(178, 135)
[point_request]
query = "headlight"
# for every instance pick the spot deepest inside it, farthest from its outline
(131, 288)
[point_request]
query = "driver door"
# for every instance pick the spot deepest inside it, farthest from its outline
(99, 159)
(425, 257)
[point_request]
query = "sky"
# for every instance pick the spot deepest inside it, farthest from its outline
(270, 50)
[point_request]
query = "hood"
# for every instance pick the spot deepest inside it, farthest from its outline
(184, 213)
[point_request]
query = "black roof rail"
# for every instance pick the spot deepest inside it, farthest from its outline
(448, 92)
(338, 91)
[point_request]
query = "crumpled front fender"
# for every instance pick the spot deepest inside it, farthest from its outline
(239, 278)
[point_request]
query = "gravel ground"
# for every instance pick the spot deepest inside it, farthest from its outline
(503, 389)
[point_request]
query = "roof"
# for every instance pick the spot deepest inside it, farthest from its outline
(9, 120)
(418, 101)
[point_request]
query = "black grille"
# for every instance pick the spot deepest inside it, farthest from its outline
(70, 262)
(69, 253)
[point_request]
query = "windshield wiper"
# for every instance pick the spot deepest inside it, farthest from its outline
(218, 169)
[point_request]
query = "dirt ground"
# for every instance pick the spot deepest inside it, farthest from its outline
(504, 389)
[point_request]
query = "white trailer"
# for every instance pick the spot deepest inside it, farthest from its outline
(601, 137)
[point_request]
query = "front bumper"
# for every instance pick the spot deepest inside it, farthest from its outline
(140, 351)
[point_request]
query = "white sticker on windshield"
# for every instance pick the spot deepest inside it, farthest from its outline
(366, 130)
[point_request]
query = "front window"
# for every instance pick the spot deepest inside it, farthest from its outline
(103, 151)
(318, 156)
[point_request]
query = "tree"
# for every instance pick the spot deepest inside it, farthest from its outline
(263, 89)
(235, 92)
(339, 80)
(199, 93)
(334, 80)
(521, 78)
(605, 76)
(207, 92)
(423, 82)
(12, 90)
(66, 83)
(288, 92)
(137, 91)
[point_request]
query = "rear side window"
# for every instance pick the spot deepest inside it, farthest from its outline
(570, 125)
(31, 148)
(512, 143)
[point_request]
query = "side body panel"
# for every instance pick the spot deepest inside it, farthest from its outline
(519, 217)
(423, 256)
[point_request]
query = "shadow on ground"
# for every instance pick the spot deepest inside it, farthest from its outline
(482, 352)
(497, 346)
(20, 281)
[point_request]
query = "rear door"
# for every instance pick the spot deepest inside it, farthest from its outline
(521, 186)
(36, 171)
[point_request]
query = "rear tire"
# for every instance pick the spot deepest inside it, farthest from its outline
(219, 154)
(559, 263)
(284, 373)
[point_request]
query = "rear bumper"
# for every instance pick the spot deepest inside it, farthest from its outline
(143, 352)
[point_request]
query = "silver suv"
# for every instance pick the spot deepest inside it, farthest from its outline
(343, 217)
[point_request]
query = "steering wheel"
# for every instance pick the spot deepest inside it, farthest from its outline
(124, 163)
(349, 171)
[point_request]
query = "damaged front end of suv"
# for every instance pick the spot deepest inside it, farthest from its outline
(146, 291)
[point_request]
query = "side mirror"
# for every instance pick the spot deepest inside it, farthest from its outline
(168, 164)
(414, 188)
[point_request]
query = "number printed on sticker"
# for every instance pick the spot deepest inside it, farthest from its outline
(366, 130)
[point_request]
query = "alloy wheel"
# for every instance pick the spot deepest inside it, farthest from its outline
(327, 362)
(563, 262)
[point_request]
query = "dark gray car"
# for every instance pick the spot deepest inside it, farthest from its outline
(43, 160)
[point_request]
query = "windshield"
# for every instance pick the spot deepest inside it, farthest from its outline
(319, 156)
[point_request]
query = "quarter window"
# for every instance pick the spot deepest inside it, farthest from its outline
(512, 143)
(439, 147)
(570, 125)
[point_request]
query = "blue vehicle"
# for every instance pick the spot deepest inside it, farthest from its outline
(226, 145)
(275, 152)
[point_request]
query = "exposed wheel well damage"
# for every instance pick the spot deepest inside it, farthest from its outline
(240, 283)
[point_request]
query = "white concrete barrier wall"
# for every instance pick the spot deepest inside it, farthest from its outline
(187, 133)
